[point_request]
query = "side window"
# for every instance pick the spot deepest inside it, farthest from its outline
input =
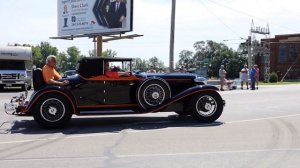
(282, 54)
(294, 52)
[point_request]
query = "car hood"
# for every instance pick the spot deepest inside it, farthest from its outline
(168, 75)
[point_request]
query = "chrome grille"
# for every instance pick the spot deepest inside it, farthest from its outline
(9, 76)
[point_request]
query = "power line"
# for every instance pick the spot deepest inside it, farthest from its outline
(220, 20)
(249, 15)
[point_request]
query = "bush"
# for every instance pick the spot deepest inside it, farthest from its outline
(273, 78)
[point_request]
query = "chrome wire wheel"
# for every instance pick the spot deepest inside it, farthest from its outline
(52, 110)
(154, 94)
(206, 106)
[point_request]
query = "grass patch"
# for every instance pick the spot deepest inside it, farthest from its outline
(279, 83)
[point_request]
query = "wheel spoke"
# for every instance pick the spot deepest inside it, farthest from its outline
(52, 110)
(154, 95)
(206, 106)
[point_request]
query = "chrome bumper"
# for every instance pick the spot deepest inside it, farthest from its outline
(16, 103)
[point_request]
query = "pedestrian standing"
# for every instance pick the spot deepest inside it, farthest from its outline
(244, 76)
(222, 75)
(253, 77)
(256, 75)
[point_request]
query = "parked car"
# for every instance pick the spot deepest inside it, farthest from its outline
(70, 73)
(91, 92)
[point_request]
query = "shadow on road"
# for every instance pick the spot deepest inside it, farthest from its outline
(110, 125)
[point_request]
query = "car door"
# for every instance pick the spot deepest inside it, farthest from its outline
(120, 91)
(90, 93)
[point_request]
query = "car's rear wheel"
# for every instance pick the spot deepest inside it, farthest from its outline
(152, 93)
(52, 111)
(206, 107)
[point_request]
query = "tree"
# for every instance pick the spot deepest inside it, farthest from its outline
(109, 53)
(41, 52)
(139, 64)
(185, 59)
(37, 57)
(73, 55)
(212, 55)
(62, 62)
(46, 50)
(156, 63)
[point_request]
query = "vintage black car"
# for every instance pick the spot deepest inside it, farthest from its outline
(92, 92)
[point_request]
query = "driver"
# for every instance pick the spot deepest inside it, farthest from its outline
(50, 75)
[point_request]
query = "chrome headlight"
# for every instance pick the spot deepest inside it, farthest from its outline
(22, 76)
(200, 81)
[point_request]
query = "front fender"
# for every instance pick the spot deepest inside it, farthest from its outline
(46, 90)
(184, 94)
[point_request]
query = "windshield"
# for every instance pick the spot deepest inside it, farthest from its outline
(120, 66)
(12, 65)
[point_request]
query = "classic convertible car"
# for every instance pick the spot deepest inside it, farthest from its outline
(93, 92)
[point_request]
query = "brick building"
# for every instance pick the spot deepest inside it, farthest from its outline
(281, 55)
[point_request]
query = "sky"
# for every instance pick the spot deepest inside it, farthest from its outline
(223, 21)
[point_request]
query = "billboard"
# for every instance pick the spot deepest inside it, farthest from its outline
(84, 17)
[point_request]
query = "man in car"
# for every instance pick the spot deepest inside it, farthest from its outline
(50, 75)
(115, 72)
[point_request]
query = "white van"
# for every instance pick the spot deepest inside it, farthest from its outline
(15, 67)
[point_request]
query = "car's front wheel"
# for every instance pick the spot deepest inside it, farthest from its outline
(52, 110)
(152, 93)
(206, 107)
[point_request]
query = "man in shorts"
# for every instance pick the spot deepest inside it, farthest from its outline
(244, 77)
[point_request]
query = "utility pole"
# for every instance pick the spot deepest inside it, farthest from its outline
(171, 61)
(265, 31)
(249, 52)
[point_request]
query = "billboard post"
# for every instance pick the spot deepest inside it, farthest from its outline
(99, 46)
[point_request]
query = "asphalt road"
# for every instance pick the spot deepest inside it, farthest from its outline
(258, 129)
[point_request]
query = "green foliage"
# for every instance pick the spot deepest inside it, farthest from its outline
(109, 53)
(69, 60)
(144, 65)
(139, 64)
(41, 52)
(37, 57)
(212, 55)
(273, 77)
(73, 57)
(62, 60)
(185, 59)
(46, 50)
(156, 63)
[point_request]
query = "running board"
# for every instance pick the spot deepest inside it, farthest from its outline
(107, 112)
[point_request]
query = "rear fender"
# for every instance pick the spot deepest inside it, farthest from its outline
(48, 90)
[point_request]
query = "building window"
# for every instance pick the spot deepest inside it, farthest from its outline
(282, 56)
(294, 52)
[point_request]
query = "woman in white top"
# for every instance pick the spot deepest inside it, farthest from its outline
(244, 76)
